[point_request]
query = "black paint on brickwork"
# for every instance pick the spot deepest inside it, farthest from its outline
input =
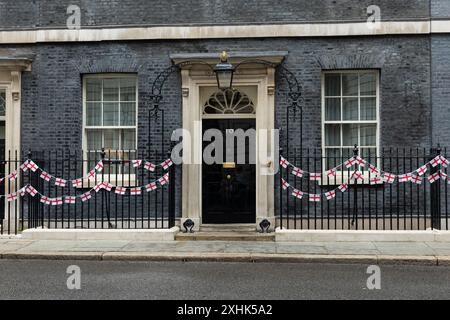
(28, 14)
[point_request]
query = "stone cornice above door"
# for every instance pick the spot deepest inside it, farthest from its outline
(275, 57)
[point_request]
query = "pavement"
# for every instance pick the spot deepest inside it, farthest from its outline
(423, 253)
(203, 281)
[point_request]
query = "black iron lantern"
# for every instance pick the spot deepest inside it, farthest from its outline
(224, 72)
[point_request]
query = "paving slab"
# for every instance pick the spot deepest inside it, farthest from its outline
(404, 248)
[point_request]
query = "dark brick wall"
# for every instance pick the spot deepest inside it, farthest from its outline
(440, 8)
(52, 13)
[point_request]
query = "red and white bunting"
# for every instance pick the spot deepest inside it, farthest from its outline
(44, 175)
(314, 197)
(166, 164)
(445, 162)
(149, 166)
(31, 190)
(331, 173)
(404, 177)
(86, 196)
(443, 175)
(389, 177)
(60, 182)
(107, 186)
(150, 187)
(24, 166)
(77, 183)
(56, 201)
(434, 177)
(69, 199)
(136, 163)
(99, 166)
(98, 187)
(373, 169)
(135, 191)
(164, 179)
(91, 174)
(22, 191)
(357, 175)
(330, 195)
(120, 190)
(284, 184)
(315, 176)
(297, 193)
(343, 187)
(284, 163)
(360, 161)
(436, 161)
(12, 176)
(422, 170)
(416, 179)
(376, 180)
(350, 162)
(45, 200)
(32, 166)
(297, 172)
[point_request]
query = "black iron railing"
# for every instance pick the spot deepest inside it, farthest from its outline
(369, 203)
(105, 209)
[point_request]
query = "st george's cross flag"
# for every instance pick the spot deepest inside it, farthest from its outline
(283, 162)
(149, 166)
(150, 187)
(330, 194)
(297, 193)
(135, 191)
(60, 182)
(99, 166)
(422, 170)
(404, 177)
(120, 190)
(31, 190)
(69, 199)
(136, 163)
(434, 177)
(44, 175)
(77, 183)
(86, 196)
(166, 164)
(389, 177)
(284, 184)
(343, 187)
(315, 176)
(164, 179)
(297, 172)
(314, 197)
(416, 179)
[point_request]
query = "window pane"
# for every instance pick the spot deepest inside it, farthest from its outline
(2, 103)
(333, 135)
(110, 114)
(369, 154)
(127, 113)
(332, 84)
(368, 108)
(368, 134)
(332, 109)
(93, 114)
(112, 139)
(94, 139)
(111, 90)
(350, 84)
(128, 89)
(93, 90)
(333, 157)
(368, 84)
(347, 153)
(129, 139)
(350, 108)
(349, 134)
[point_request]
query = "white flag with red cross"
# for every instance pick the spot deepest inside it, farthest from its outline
(69, 199)
(56, 201)
(11, 197)
(135, 191)
(12, 176)
(443, 175)
(297, 193)
(422, 170)
(389, 177)
(120, 190)
(22, 191)
(77, 183)
(376, 180)
(107, 186)
(91, 174)
(149, 166)
(444, 161)
(98, 187)
(360, 161)
(434, 177)
(164, 179)
(166, 164)
(297, 172)
(32, 166)
(60, 182)
(45, 200)
(357, 175)
(44, 175)
(330, 194)
(404, 177)
(436, 161)
(31, 191)
(284, 184)
(283, 162)
(24, 166)
(350, 162)
(86, 196)
(99, 166)
(315, 176)
(343, 187)
(331, 173)
(150, 187)
(314, 197)
(373, 169)
(416, 179)
(136, 163)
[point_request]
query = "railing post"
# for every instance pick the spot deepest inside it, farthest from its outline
(355, 193)
(172, 186)
(435, 193)
(280, 175)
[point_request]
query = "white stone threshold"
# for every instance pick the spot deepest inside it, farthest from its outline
(285, 235)
(100, 234)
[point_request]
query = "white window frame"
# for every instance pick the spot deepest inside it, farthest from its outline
(129, 179)
(342, 175)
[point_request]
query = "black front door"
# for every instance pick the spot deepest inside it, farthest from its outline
(229, 194)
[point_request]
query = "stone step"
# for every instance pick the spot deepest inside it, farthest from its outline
(228, 227)
(225, 236)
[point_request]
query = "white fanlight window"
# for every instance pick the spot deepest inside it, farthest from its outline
(229, 102)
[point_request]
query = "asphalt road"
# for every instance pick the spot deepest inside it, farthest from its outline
(35, 279)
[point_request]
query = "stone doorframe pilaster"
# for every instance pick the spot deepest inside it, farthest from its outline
(193, 79)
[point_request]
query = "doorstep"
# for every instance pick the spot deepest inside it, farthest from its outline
(225, 236)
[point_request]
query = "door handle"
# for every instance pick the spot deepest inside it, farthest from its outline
(228, 177)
